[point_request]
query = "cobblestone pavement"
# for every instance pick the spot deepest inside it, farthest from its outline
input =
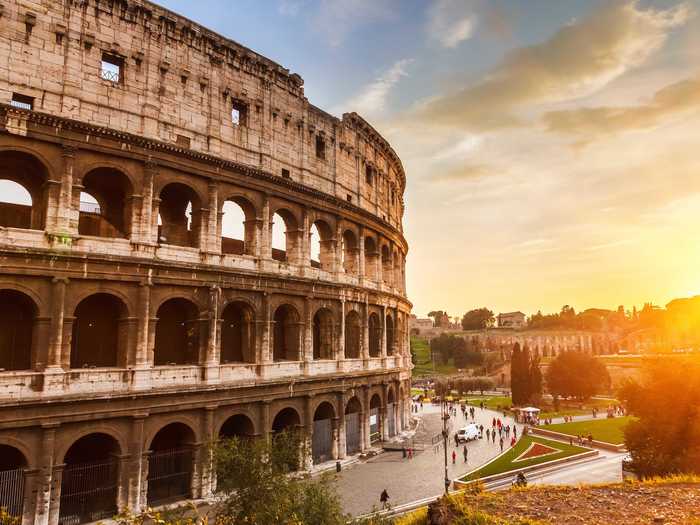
(405, 480)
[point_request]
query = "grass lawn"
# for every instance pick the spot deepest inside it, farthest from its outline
(423, 366)
(603, 429)
(576, 409)
(492, 402)
(505, 462)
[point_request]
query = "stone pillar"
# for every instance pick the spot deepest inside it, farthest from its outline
(361, 249)
(366, 439)
(58, 299)
(342, 441)
(264, 320)
(145, 227)
(265, 420)
(208, 484)
(45, 476)
(55, 500)
(339, 267)
(307, 327)
(265, 251)
(308, 460)
(137, 462)
(383, 345)
(64, 221)
(212, 240)
(123, 462)
(384, 416)
(304, 240)
(341, 337)
(155, 205)
(32, 478)
(364, 351)
(212, 358)
(141, 362)
(335, 432)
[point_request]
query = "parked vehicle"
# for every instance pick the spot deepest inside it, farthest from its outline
(468, 433)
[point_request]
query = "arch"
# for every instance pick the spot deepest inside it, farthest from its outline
(90, 480)
(375, 401)
(323, 334)
(350, 252)
(238, 425)
(170, 464)
(177, 333)
(17, 324)
(353, 425)
(283, 243)
(238, 226)
(353, 335)
(99, 332)
(12, 465)
(324, 410)
(390, 337)
(286, 419)
(375, 335)
(371, 258)
(238, 333)
(179, 215)
(391, 396)
(111, 190)
(375, 420)
(29, 176)
(286, 335)
(322, 437)
(387, 265)
(353, 405)
(321, 245)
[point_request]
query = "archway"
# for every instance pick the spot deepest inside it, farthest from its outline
(322, 437)
(170, 465)
(12, 466)
(387, 266)
(323, 334)
(371, 258)
(391, 412)
(238, 227)
(375, 335)
(283, 230)
(90, 480)
(321, 245)
(286, 344)
(105, 204)
(350, 252)
(22, 191)
(287, 421)
(97, 339)
(375, 420)
(353, 426)
(353, 335)
(237, 334)
(239, 425)
(179, 216)
(17, 316)
(177, 333)
(389, 335)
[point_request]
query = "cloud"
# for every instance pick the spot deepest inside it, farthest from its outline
(291, 7)
(464, 172)
(579, 59)
(372, 100)
(594, 122)
(336, 19)
(451, 22)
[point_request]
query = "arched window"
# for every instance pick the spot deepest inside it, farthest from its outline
(375, 335)
(237, 334)
(179, 216)
(237, 426)
(315, 246)
(353, 335)
(177, 333)
(22, 191)
(321, 245)
(323, 334)
(387, 266)
(97, 340)
(322, 437)
(375, 420)
(90, 480)
(371, 258)
(170, 465)
(238, 227)
(286, 343)
(353, 426)
(350, 252)
(12, 466)
(17, 315)
(105, 204)
(283, 230)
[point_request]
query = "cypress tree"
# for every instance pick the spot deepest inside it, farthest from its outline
(516, 375)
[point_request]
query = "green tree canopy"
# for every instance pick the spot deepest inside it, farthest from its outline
(478, 319)
(577, 375)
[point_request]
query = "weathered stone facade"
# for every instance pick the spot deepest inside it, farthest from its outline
(134, 332)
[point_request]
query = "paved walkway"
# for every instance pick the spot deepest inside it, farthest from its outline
(606, 469)
(359, 485)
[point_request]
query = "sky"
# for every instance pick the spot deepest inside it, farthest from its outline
(551, 147)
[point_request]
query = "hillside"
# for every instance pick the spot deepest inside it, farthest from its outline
(670, 501)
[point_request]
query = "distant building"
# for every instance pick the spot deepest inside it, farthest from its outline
(511, 320)
(420, 326)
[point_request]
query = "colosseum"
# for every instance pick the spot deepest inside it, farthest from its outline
(190, 250)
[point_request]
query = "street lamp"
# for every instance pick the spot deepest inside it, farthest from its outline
(445, 419)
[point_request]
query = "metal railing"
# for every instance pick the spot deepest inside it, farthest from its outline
(88, 492)
(169, 476)
(12, 491)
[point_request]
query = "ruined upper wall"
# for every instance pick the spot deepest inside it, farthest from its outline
(179, 83)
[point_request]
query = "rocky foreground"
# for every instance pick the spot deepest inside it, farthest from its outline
(670, 501)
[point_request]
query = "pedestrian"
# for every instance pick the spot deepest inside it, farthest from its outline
(493, 436)
(488, 434)
(456, 440)
(384, 499)
(466, 453)
(515, 432)
(513, 441)
(493, 422)
(454, 457)
(410, 453)
(500, 442)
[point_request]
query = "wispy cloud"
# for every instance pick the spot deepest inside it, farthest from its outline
(450, 22)
(464, 172)
(577, 60)
(372, 100)
(336, 19)
(596, 122)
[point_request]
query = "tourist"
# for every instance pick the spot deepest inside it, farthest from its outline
(493, 436)
(488, 434)
(465, 452)
(513, 441)
(410, 453)
(515, 432)
(493, 422)
(384, 499)
(500, 442)
(454, 457)
(456, 440)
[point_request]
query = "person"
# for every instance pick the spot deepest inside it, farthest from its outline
(515, 432)
(384, 499)
(493, 436)
(488, 434)
(520, 480)
(466, 453)
(410, 452)
(500, 442)
(513, 441)
(454, 457)
(456, 440)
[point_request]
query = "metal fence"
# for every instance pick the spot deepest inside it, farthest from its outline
(391, 418)
(169, 476)
(322, 441)
(352, 432)
(88, 492)
(12, 491)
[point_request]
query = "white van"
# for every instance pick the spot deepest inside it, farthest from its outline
(468, 433)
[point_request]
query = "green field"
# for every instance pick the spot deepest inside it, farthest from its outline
(423, 366)
(492, 402)
(577, 409)
(607, 430)
(505, 462)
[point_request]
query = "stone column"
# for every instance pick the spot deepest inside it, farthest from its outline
(340, 355)
(146, 234)
(308, 460)
(208, 470)
(55, 501)
(335, 432)
(384, 416)
(342, 442)
(134, 502)
(44, 478)
(58, 299)
(364, 351)
(265, 249)
(141, 362)
(265, 420)
(364, 418)
(304, 240)
(383, 345)
(155, 205)
(361, 248)
(32, 478)
(212, 242)
(308, 343)
(64, 221)
(339, 267)
(212, 358)
(265, 352)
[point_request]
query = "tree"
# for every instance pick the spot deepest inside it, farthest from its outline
(478, 319)
(535, 379)
(577, 375)
(437, 315)
(665, 439)
(516, 375)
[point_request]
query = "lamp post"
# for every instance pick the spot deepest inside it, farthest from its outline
(445, 419)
